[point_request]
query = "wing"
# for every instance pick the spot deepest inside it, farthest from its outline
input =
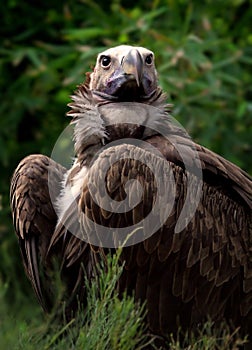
(206, 269)
(35, 185)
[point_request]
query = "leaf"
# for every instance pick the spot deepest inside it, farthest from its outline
(85, 34)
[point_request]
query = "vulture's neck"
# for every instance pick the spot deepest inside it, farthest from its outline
(98, 120)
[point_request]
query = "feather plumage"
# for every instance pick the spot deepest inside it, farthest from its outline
(205, 269)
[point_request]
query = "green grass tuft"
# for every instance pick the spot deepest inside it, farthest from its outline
(209, 337)
(108, 322)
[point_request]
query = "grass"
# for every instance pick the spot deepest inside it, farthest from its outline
(108, 323)
(209, 338)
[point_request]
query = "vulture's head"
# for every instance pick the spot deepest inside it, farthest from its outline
(119, 99)
(126, 73)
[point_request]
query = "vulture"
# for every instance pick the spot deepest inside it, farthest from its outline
(180, 214)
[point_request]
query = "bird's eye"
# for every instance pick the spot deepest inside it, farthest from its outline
(105, 61)
(149, 59)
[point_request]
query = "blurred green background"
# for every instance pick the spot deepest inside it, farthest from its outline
(204, 59)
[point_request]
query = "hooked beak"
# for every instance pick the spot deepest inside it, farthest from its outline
(132, 65)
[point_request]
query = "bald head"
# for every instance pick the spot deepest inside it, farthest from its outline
(125, 72)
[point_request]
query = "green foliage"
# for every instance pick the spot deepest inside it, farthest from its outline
(203, 55)
(107, 323)
(112, 323)
(209, 338)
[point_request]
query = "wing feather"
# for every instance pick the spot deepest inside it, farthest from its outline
(34, 216)
(211, 253)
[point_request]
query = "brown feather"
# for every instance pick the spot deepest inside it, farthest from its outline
(203, 270)
(34, 216)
